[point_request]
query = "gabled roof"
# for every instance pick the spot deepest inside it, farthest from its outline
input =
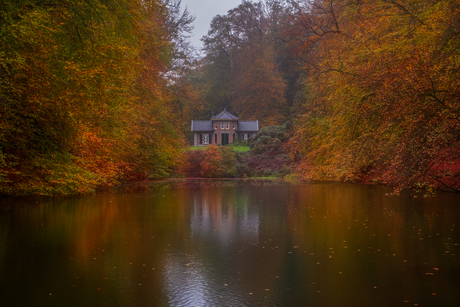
(202, 125)
(248, 126)
(224, 115)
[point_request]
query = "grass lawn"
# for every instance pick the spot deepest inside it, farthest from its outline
(241, 148)
(235, 148)
(197, 147)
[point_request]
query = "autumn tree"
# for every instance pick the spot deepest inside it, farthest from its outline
(84, 101)
(246, 68)
(382, 87)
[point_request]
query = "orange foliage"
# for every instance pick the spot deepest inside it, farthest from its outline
(383, 91)
(258, 86)
(211, 164)
(85, 99)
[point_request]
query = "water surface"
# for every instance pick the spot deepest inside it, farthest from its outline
(231, 243)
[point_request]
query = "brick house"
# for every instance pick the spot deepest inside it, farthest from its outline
(223, 129)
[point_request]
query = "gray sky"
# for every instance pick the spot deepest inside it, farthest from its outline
(204, 11)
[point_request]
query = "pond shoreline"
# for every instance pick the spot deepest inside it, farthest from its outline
(295, 180)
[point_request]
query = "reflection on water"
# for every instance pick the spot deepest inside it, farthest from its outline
(231, 243)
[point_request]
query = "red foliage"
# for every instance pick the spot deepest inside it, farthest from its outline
(211, 166)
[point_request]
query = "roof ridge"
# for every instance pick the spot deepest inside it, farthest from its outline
(225, 115)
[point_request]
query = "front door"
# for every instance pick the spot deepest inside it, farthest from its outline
(224, 138)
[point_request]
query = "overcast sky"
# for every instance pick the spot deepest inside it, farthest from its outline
(204, 11)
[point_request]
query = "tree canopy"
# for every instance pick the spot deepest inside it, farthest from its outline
(246, 67)
(85, 93)
(98, 92)
(382, 91)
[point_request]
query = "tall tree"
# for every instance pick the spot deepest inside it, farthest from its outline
(244, 61)
(382, 79)
(84, 101)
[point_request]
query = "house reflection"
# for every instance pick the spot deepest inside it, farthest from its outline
(222, 223)
(224, 218)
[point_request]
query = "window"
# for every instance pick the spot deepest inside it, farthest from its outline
(227, 125)
(205, 139)
(222, 125)
(215, 138)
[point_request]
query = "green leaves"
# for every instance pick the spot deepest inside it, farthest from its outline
(83, 100)
(384, 98)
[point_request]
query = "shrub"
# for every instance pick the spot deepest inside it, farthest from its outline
(229, 161)
(192, 165)
(269, 139)
(275, 132)
(211, 165)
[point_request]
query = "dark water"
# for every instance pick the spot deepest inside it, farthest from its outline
(232, 243)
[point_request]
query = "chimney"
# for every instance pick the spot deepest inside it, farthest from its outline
(236, 113)
(212, 113)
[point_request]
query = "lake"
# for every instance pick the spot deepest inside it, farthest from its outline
(231, 243)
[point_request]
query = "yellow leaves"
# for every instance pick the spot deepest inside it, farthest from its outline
(85, 88)
(403, 61)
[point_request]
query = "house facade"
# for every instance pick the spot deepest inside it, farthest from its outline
(224, 128)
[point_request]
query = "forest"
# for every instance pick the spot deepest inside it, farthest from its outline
(95, 93)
